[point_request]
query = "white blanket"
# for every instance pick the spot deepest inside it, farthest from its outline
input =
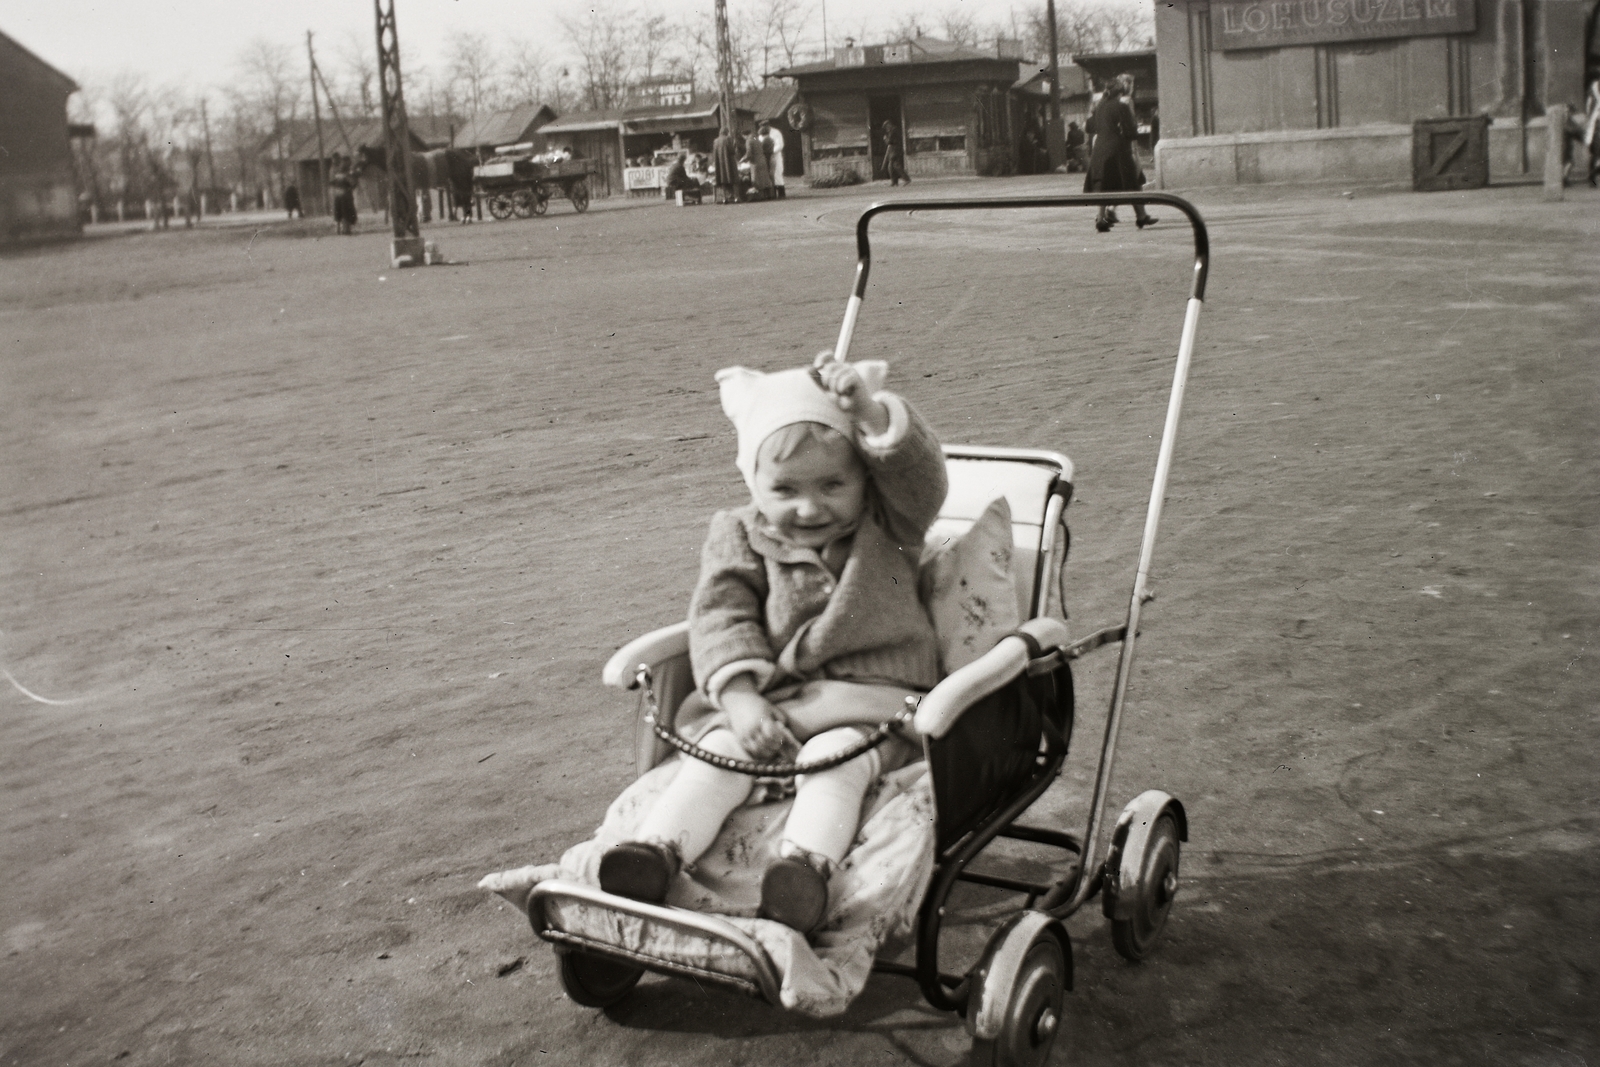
(873, 896)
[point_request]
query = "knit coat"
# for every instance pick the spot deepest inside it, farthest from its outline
(774, 609)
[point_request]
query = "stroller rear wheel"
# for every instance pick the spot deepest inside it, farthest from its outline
(1158, 884)
(596, 982)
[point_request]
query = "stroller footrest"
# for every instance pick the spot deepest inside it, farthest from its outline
(651, 963)
(653, 935)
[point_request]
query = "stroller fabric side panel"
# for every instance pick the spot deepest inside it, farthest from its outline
(874, 895)
(991, 754)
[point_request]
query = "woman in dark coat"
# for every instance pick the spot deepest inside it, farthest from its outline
(725, 157)
(1112, 168)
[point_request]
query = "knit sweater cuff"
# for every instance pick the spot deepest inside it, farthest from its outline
(899, 424)
(761, 670)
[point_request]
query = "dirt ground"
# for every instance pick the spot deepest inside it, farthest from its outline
(326, 558)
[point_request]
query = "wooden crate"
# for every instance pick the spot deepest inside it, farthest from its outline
(1450, 153)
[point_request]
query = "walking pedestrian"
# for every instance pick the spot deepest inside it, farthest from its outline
(894, 155)
(1112, 168)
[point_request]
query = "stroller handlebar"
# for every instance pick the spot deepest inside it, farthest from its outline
(1202, 241)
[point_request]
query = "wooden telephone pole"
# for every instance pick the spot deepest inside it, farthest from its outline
(730, 117)
(1055, 138)
(322, 154)
(406, 248)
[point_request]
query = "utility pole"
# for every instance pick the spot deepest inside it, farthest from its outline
(322, 155)
(730, 117)
(211, 162)
(406, 248)
(1055, 138)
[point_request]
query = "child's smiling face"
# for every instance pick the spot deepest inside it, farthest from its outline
(813, 496)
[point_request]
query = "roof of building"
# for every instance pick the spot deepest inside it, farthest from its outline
(915, 51)
(702, 113)
(769, 102)
(362, 133)
(511, 126)
(1074, 82)
(66, 83)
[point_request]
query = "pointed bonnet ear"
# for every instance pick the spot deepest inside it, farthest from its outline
(874, 372)
(738, 385)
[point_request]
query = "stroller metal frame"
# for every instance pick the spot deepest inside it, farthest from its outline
(1023, 691)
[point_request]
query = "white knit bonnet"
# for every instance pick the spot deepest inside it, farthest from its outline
(760, 404)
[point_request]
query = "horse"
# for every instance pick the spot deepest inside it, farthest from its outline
(445, 168)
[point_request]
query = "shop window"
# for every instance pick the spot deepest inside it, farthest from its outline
(922, 144)
(838, 151)
(957, 143)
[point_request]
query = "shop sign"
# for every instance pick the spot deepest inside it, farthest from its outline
(644, 177)
(1274, 23)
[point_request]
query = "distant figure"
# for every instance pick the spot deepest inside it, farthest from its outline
(1075, 149)
(758, 153)
(291, 200)
(1028, 158)
(774, 137)
(1112, 168)
(725, 157)
(894, 155)
(678, 180)
(343, 184)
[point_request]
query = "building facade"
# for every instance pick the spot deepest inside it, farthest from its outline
(958, 110)
(1329, 90)
(38, 185)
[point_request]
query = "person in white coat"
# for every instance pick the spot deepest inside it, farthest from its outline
(775, 138)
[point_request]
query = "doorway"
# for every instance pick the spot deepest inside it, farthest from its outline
(881, 109)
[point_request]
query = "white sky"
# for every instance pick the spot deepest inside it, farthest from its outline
(193, 44)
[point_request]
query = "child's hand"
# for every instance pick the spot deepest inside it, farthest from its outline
(843, 382)
(760, 727)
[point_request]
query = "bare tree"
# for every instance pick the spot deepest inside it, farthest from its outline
(127, 97)
(962, 27)
(781, 24)
(358, 70)
(529, 75)
(473, 68)
(604, 48)
(271, 83)
(1088, 26)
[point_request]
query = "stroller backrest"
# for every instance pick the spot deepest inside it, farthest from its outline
(1037, 486)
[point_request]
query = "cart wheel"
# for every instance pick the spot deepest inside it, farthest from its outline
(1158, 884)
(1019, 1003)
(541, 199)
(596, 982)
(525, 202)
(580, 195)
(501, 206)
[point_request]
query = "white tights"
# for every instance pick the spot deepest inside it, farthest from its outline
(827, 805)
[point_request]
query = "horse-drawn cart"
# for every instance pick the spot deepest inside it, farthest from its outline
(523, 186)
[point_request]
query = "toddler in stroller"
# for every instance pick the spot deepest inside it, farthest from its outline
(805, 627)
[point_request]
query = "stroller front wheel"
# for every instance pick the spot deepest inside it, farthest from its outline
(1018, 1012)
(596, 982)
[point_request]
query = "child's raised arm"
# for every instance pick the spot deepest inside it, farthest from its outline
(900, 450)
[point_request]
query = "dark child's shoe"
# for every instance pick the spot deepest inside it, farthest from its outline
(794, 892)
(1102, 225)
(639, 870)
(1147, 220)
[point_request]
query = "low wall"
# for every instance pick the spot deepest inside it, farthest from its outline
(37, 206)
(1378, 153)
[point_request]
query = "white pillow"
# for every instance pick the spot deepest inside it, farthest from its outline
(966, 586)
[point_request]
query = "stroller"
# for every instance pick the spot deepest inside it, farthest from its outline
(995, 735)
